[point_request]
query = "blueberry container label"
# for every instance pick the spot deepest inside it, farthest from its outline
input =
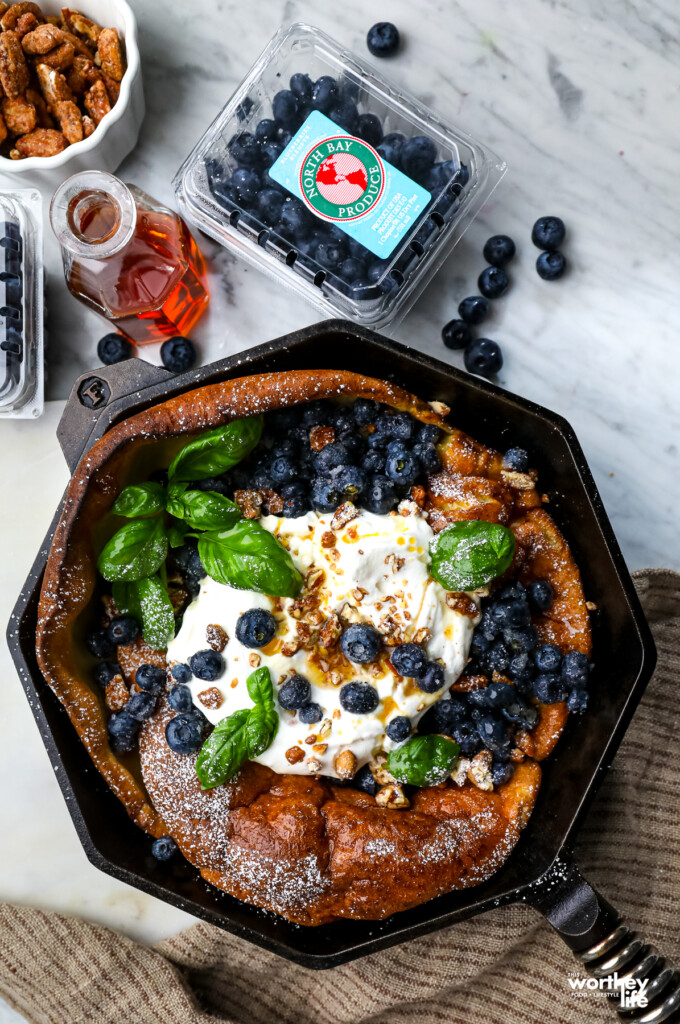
(343, 180)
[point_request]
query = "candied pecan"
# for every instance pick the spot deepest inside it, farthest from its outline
(479, 772)
(88, 126)
(328, 539)
(70, 120)
(343, 515)
(3, 8)
(53, 84)
(392, 797)
(80, 25)
(13, 13)
(320, 436)
(60, 58)
(43, 39)
(82, 74)
(41, 142)
(211, 698)
(77, 44)
(346, 764)
(295, 754)
(111, 54)
(53, 19)
(3, 129)
(330, 633)
(250, 502)
(14, 74)
(272, 501)
(461, 603)
(25, 24)
(14, 154)
(216, 637)
(113, 92)
(418, 495)
(20, 115)
(116, 694)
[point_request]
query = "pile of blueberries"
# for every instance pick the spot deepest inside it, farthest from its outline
(261, 207)
(375, 470)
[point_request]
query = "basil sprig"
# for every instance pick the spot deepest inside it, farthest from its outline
(138, 500)
(138, 549)
(244, 734)
(216, 450)
(468, 555)
(202, 510)
(423, 761)
(248, 557)
(147, 599)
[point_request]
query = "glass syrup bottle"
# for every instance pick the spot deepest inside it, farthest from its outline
(128, 257)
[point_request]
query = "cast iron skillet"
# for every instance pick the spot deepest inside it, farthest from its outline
(539, 871)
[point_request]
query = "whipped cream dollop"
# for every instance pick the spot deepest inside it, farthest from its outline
(373, 569)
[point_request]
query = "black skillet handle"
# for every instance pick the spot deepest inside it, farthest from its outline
(606, 945)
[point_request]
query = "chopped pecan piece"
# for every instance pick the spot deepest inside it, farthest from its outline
(328, 539)
(41, 142)
(211, 698)
(53, 84)
(70, 120)
(459, 773)
(20, 115)
(272, 502)
(97, 102)
(294, 755)
(379, 771)
(250, 503)
(330, 631)
(254, 659)
(393, 797)
(14, 74)
(111, 54)
(320, 436)
(216, 637)
(43, 39)
(479, 772)
(80, 25)
(345, 514)
(346, 764)
(88, 126)
(13, 13)
(418, 495)
(314, 765)
(461, 603)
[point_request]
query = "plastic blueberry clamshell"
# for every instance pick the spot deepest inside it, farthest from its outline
(21, 304)
(323, 174)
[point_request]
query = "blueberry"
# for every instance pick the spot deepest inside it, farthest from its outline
(113, 348)
(285, 109)
(390, 148)
(402, 469)
(540, 595)
(358, 698)
(466, 736)
(324, 93)
(370, 129)
(548, 658)
(577, 701)
(417, 156)
(364, 781)
(398, 729)
(516, 460)
(295, 693)
(497, 658)
(150, 678)
(295, 221)
(351, 482)
(380, 496)
(500, 695)
(269, 203)
(184, 733)
(271, 151)
(265, 130)
(208, 665)
(141, 705)
(301, 86)
(456, 334)
(493, 732)
(245, 149)
(409, 660)
(549, 688)
(164, 848)
(484, 357)
(246, 186)
(105, 671)
(100, 643)
(493, 282)
(178, 354)
(428, 457)
(383, 39)
(548, 233)
(330, 254)
(517, 614)
(513, 592)
(377, 442)
(330, 457)
(473, 309)
(350, 269)
(443, 716)
(283, 470)
(428, 433)
(360, 643)
(123, 729)
(310, 714)
(346, 116)
(499, 250)
(401, 426)
(180, 698)
(325, 495)
(373, 462)
(575, 669)
(501, 771)
(551, 265)
(294, 506)
(521, 640)
(124, 629)
(315, 413)
(255, 628)
(432, 678)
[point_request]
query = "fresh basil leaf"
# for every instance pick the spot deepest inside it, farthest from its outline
(177, 535)
(250, 558)
(423, 761)
(206, 510)
(260, 689)
(174, 504)
(140, 500)
(138, 549)
(468, 555)
(224, 751)
(126, 599)
(261, 728)
(217, 450)
(158, 616)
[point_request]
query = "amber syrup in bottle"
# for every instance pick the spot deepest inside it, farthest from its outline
(128, 257)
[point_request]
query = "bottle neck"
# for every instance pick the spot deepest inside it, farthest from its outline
(93, 215)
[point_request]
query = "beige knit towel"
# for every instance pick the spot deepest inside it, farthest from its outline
(506, 967)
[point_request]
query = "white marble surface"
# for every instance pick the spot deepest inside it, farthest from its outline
(581, 98)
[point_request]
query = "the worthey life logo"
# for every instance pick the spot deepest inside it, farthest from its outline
(630, 991)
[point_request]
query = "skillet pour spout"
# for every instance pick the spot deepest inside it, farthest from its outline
(537, 871)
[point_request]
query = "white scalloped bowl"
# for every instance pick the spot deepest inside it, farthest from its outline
(117, 134)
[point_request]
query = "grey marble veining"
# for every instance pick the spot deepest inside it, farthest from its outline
(581, 98)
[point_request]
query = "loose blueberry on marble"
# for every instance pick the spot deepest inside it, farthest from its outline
(164, 848)
(499, 250)
(432, 679)
(178, 354)
(409, 660)
(113, 348)
(295, 693)
(209, 665)
(383, 39)
(456, 334)
(516, 460)
(124, 629)
(358, 698)
(254, 628)
(551, 265)
(100, 643)
(180, 698)
(141, 705)
(184, 733)
(484, 357)
(493, 282)
(310, 713)
(150, 678)
(474, 309)
(360, 643)
(398, 729)
(548, 233)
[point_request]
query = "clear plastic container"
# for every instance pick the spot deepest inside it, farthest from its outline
(22, 369)
(349, 191)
